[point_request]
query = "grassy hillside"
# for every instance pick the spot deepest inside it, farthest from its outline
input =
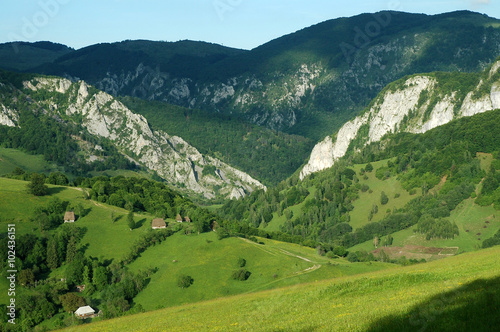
(398, 196)
(12, 158)
(107, 240)
(210, 263)
(459, 293)
(208, 260)
(444, 184)
(475, 224)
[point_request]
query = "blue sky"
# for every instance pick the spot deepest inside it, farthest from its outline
(237, 23)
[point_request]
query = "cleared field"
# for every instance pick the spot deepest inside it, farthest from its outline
(475, 224)
(210, 263)
(391, 187)
(460, 293)
(12, 158)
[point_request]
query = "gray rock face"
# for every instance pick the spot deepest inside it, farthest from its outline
(8, 117)
(404, 110)
(170, 156)
(276, 101)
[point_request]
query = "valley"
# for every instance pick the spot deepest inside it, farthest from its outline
(306, 184)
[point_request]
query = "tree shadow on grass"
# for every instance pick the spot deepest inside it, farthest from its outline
(55, 190)
(140, 223)
(471, 307)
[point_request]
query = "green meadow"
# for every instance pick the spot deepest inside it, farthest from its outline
(12, 158)
(460, 293)
(277, 221)
(366, 200)
(210, 262)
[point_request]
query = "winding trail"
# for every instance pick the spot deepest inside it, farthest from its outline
(310, 269)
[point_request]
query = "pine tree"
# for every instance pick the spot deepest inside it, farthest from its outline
(130, 220)
(52, 258)
(71, 250)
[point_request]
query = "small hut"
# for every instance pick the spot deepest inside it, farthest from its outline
(84, 312)
(69, 216)
(187, 219)
(158, 223)
(178, 218)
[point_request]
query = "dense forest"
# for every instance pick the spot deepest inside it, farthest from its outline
(417, 161)
(267, 155)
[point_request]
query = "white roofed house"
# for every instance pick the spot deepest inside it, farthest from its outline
(84, 312)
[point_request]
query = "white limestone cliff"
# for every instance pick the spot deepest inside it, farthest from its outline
(8, 117)
(170, 157)
(402, 110)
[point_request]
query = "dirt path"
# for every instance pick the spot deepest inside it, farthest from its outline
(260, 246)
(293, 255)
(86, 192)
(283, 251)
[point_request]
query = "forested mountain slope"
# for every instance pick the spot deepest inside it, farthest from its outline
(308, 82)
(74, 111)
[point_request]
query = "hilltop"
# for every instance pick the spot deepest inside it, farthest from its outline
(308, 82)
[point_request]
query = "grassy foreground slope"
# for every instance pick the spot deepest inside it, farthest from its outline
(461, 293)
(210, 263)
(208, 260)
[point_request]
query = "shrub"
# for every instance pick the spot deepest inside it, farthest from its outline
(241, 274)
(383, 198)
(242, 262)
(222, 233)
(184, 281)
(37, 185)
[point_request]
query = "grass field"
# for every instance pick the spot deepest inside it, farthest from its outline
(363, 205)
(102, 239)
(275, 224)
(460, 293)
(471, 220)
(210, 263)
(12, 158)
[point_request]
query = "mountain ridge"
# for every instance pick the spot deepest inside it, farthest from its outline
(308, 82)
(414, 107)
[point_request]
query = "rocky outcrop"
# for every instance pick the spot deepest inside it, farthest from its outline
(8, 117)
(273, 103)
(170, 157)
(407, 108)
